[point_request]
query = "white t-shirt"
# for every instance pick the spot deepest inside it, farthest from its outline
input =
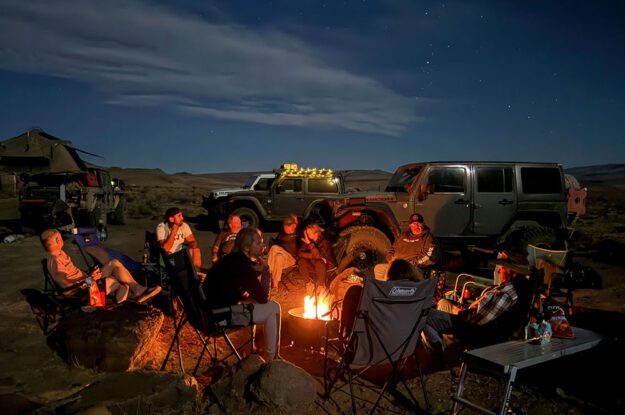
(162, 233)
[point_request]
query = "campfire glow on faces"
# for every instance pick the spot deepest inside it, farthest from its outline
(322, 311)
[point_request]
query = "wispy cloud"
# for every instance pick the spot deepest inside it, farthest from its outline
(145, 55)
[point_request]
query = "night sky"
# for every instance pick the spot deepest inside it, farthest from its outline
(212, 86)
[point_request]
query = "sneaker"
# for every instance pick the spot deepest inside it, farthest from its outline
(149, 293)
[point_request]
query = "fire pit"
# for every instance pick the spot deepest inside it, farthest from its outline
(309, 323)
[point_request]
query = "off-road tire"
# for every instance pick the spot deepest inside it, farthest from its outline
(247, 215)
(366, 246)
(119, 216)
(540, 236)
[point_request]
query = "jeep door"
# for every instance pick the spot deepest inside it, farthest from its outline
(495, 200)
(447, 207)
(289, 197)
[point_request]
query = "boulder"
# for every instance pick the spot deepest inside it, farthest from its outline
(134, 393)
(281, 384)
(111, 340)
(231, 389)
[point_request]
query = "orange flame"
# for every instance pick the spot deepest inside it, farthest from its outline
(322, 307)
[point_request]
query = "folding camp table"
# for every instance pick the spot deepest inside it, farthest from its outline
(505, 359)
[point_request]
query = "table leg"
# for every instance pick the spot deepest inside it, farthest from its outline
(508, 392)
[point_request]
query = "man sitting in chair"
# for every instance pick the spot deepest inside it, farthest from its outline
(494, 303)
(224, 242)
(416, 245)
(235, 278)
(173, 232)
(65, 273)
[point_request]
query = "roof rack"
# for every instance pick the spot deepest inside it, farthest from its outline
(293, 170)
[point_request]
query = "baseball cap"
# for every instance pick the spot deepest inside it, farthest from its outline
(416, 217)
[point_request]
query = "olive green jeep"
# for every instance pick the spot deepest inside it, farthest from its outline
(470, 207)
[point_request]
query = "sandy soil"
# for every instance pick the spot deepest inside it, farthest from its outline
(28, 367)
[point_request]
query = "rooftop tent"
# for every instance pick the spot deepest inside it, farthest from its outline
(38, 152)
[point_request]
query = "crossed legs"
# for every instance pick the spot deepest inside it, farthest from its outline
(119, 281)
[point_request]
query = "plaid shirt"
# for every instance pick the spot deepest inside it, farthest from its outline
(494, 302)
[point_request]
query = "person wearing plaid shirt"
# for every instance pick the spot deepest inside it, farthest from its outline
(450, 318)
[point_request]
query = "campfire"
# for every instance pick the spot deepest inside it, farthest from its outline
(317, 309)
(309, 322)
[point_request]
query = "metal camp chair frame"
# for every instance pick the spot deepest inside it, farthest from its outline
(375, 341)
(209, 324)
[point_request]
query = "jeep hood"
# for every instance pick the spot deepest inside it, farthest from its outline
(228, 190)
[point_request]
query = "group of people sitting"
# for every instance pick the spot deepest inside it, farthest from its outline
(243, 271)
(309, 250)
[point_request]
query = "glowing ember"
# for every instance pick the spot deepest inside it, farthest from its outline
(323, 308)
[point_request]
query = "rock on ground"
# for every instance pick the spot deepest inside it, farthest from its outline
(113, 340)
(282, 384)
(133, 393)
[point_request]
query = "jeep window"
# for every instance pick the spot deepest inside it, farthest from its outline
(264, 184)
(402, 179)
(447, 179)
(494, 179)
(541, 180)
(322, 186)
(291, 185)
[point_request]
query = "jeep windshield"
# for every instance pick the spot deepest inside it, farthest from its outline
(402, 179)
(250, 182)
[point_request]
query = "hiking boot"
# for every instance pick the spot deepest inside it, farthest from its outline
(149, 293)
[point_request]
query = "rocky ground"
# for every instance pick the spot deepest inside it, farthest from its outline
(33, 375)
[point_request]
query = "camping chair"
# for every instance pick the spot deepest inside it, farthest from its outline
(209, 324)
(155, 254)
(386, 332)
(556, 268)
(52, 305)
(88, 242)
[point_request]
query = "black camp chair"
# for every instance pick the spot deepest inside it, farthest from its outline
(52, 304)
(386, 332)
(209, 324)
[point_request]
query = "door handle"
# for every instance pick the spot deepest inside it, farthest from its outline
(299, 198)
(462, 202)
(505, 202)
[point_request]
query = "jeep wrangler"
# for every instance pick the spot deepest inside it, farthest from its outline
(470, 207)
(294, 191)
(216, 204)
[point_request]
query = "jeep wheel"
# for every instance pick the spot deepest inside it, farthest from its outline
(365, 246)
(541, 237)
(249, 218)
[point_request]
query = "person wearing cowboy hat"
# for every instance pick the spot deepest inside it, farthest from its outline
(449, 318)
(416, 245)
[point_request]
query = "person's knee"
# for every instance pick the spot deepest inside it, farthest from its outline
(275, 307)
(114, 263)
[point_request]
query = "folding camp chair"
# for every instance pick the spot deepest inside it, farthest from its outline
(386, 331)
(556, 269)
(93, 253)
(209, 324)
(52, 305)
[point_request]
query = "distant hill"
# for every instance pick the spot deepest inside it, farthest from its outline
(361, 179)
(605, 173)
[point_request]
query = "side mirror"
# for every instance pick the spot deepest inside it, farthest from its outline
(278, 189)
